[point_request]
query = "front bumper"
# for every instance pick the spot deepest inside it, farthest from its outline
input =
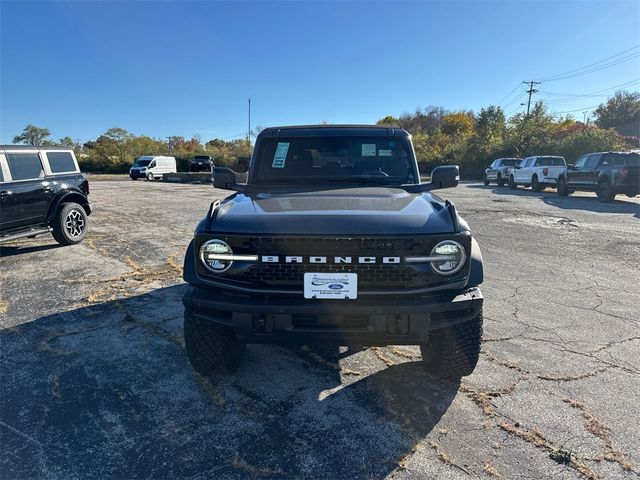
(375, 321)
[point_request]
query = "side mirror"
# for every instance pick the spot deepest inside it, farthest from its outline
(444, 177)
(224, 178)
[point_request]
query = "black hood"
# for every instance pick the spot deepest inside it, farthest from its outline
(346, 211)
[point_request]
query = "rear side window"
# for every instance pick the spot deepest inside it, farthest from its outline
(509, 162)
(24, 166)
(60, 162)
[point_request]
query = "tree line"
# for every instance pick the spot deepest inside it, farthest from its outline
(439, 136)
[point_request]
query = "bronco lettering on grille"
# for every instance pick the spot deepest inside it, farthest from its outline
(336, 260)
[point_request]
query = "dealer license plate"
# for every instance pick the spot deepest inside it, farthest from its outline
(331, 285)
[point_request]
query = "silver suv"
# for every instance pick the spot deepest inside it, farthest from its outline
(499, 170)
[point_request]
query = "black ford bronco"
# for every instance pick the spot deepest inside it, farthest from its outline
(42, 191)
(333, 239)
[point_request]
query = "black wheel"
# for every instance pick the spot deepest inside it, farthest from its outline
(535, 184)
(210, 347)
(605, 191)
(453, 352)
(500, 181)
(70, 224)
(563, 191)
(512, 183)
(486, 180)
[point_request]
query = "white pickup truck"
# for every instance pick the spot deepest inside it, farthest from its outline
(537, 172)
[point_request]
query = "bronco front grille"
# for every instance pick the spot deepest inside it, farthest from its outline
(331, 245)
(368, 275)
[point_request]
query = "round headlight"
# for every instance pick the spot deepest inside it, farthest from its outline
(453, 257)
(211, 252)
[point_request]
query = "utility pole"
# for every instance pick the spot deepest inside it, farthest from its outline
(531, 91)
(249, 131)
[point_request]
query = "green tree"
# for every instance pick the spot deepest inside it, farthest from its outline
(32, 135)
(620, 109)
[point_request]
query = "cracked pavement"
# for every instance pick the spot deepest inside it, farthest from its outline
(95, 381)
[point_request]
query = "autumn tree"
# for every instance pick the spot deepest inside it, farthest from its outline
(620, 109)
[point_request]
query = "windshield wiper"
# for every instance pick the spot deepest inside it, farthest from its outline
(374, 180)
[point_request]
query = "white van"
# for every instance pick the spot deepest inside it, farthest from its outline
(152, 167)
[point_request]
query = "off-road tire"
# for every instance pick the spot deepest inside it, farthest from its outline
(512, 183)
(536, 186)
(562, 189)
(210, 347)
(453, 352)
(500, 181)
(486, 181)
(605, 191)
(70, 224)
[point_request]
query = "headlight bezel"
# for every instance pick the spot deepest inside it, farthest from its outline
(461, 263)
(205, 263)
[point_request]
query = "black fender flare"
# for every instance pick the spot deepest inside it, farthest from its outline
(69, 196)
(476, 270)
(189, 266)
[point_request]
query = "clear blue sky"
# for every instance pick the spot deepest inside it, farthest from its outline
(163, 68)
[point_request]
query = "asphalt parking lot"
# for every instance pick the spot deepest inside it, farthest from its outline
(95, 382)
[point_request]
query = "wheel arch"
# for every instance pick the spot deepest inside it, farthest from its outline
(75, 197)
(476, 270)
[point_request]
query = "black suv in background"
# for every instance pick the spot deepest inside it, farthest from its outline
(201, 163)
(606, 173)
(42, 191)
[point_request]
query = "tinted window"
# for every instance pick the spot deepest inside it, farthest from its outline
(61, 162)
(509, 162)
(1, 174)
(24, 166)
(592, 162)
(550, 162)
(581, 161)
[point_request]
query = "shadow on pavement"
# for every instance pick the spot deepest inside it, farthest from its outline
(105, 391)
(11, 250)
(550, 197)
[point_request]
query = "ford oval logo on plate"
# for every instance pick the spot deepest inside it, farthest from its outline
(336, 286)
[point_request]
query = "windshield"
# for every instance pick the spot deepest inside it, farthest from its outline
(142, 162)
(335, 159)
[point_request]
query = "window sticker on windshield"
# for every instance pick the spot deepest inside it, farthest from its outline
(280, 155)
(385, 153)
(368, 149)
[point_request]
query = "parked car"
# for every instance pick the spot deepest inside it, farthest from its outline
(152, 167)
(537, 172)
(333, 239)
(201, 163)
(499, 170)
(42, 191)
(606, 173)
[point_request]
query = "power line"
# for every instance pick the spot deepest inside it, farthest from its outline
(578, 109)
(515, 99)
(597, 93)
(575, 70)
(585, 70)
(509, 94)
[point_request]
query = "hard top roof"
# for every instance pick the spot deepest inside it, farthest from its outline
(333, 130)
(33, 147)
